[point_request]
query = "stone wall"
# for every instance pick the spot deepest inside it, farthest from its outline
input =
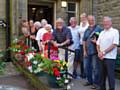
(2, 30)
(19, 12)
(86, 6)
(108, 8)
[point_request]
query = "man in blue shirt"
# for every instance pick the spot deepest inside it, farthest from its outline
(62, 37)
(91, 62)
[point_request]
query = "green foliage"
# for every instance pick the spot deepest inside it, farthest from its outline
(2, 62)
(2, 67)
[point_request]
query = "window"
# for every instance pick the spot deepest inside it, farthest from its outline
(71, 9)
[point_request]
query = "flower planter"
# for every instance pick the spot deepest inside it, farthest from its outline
(33, 79)
(50, 79)
(31, 63)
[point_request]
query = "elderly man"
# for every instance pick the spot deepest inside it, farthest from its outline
(90, 53)
(107, 51)
(62, 38)
(74, 28)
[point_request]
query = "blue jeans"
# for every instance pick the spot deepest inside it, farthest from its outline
(91, 66)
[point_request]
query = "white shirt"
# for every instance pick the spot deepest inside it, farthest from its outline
(75, 37)
(81, 31)
(106, 39)
(40, 34)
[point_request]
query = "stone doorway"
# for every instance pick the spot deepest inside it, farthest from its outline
(38, 12)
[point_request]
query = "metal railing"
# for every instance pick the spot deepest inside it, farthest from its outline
(66, 56)
(117, 62)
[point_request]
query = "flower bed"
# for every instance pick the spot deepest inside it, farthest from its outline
(27, 59)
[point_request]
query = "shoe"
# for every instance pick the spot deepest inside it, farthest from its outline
(111, 89)
(83, 76)
(74, 74)
(87, 84)
(95, 87)
(77, 77)
(98, 88)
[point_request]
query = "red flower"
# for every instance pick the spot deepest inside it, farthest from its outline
(25, 58)
(56, 72)
(21, 52)
(28, 63)
(25, 47)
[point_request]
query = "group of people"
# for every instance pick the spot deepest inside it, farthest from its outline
(95, 47)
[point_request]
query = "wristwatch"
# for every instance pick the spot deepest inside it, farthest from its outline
(103, 52)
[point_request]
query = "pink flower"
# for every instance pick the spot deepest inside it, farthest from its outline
(54, 58)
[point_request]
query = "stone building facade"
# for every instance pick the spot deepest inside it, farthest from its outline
(108, 8)
(52, 9)
(2, 30)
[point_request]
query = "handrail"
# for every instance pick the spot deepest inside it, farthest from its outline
(66, 56)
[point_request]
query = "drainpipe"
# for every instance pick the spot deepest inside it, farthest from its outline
(8, 40)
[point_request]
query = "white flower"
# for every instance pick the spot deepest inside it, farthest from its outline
(30, 56)
(58, 78)
(30, 69)
(64, 75)
(39, 69)
(35, 62)
(42, 55)
(36, 71)
(41, 64)
(15, 40)
(68, 87)
(66, 80)
(32, 48)
(18, 50)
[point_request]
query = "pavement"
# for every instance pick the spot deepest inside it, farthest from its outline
(77, 84)
(13, 80)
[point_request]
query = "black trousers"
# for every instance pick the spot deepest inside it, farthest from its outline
(82, 62)
(107, 67)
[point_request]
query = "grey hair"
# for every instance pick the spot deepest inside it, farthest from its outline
(83, 14)
(48, 25)
(107, 18)
(60, 20)
(72, 19)
(37, 23)
(44, 22)
(91, 16)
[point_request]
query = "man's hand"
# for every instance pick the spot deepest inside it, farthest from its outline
(32, 37)
(57, 44)
(85, 54)
(101, 55)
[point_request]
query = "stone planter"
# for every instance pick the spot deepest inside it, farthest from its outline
(49, 80)
(33, 79)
